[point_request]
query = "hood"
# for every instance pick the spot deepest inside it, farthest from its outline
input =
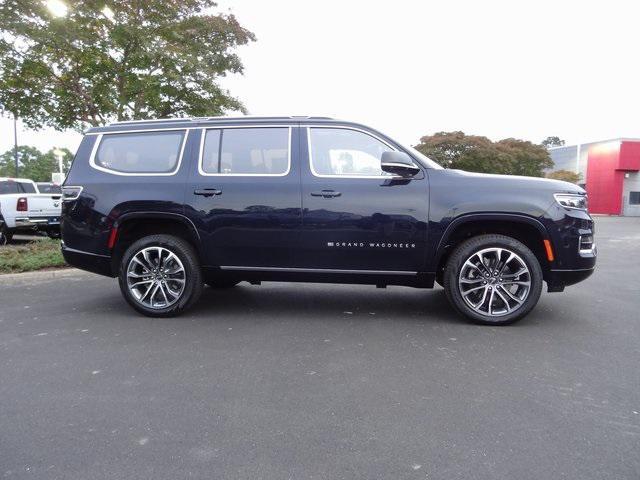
(517, 181)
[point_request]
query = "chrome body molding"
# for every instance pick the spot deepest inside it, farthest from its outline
(316, 270)
(82, 252)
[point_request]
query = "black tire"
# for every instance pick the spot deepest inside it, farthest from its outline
(222, 283)
(5, 235)
(193, 276)
(469, 248)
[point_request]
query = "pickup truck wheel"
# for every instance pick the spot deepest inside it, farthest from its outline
(5, 235)
(160, 276)
(493, 279)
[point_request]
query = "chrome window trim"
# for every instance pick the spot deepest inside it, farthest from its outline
(226, 127)
(92, 158)
(345, 127)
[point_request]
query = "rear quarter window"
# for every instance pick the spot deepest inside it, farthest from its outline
(140, 152)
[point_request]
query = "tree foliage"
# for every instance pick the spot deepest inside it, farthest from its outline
(552, 142)
(479, 154)
(153, 58)
(33, 164)
(565, 175)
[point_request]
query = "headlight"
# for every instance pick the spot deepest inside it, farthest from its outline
(567, 200)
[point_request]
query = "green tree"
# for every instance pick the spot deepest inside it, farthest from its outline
(565, 175)
(139, 59)
(33, 164)
(479, 154)
(525, 158)
(552, 142)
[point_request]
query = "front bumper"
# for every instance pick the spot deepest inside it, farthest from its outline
(574, 244)
(558, 279)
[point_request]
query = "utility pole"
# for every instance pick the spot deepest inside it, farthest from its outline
(15, 142)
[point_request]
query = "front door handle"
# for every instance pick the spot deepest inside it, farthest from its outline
(208, 192)
(326, 194)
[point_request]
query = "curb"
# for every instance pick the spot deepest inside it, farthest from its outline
(41, 274)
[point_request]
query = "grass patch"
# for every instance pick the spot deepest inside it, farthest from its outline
(34, 255)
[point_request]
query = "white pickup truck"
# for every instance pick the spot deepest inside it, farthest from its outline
(24, 209)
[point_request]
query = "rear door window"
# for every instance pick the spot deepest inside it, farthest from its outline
(140, 152)
(246, 151)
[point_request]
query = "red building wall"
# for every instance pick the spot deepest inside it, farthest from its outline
(606, 167)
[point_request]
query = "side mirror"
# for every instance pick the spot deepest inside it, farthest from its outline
(398, 163)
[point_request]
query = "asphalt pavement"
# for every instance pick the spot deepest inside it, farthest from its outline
(308, 381)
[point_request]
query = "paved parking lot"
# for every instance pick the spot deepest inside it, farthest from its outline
(322, 382)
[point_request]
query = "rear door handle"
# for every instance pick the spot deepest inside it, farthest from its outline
(326, 194)
(208, 192)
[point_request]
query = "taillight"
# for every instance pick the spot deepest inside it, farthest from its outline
(22, 205)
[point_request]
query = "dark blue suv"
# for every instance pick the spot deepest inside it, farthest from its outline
(169, 205)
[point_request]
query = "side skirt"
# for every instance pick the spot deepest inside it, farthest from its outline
(362, 277)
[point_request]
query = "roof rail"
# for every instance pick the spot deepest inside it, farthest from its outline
(265, 117)
(221, 117)
(152, 120)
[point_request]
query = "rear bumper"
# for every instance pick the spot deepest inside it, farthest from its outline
(90, 262)
(38, 223)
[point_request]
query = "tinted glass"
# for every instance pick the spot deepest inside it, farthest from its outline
(634, 198)
(49, 188)
(148, 152)
(16, 187)
(242, 151)
(336, 151)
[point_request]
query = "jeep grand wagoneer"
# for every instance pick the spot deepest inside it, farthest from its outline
(169, 205)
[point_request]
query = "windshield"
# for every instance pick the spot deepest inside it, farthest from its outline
(423, 159)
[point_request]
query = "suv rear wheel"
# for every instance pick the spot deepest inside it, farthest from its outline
(493, 279)
(160, 276)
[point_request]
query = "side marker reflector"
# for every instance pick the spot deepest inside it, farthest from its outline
(112, 238)
(549, 250)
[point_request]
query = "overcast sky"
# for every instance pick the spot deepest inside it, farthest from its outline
(524, 69)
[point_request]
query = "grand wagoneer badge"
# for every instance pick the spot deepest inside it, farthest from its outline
(370, 245)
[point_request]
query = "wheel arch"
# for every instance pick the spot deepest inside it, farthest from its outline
(528, 230)
(132, 226)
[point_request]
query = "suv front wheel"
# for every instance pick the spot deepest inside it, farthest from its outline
(493, 279)
(160, 276)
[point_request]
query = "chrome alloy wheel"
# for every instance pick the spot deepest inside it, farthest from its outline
(156, 277)
(494, 282)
